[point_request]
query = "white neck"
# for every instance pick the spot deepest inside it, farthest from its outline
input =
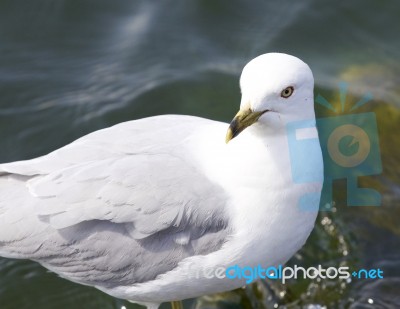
(255, 170)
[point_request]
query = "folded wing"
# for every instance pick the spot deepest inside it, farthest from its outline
(114, 204)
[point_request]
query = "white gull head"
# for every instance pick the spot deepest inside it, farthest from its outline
(276, 89)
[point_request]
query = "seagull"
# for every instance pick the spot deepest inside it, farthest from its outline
(143, 209)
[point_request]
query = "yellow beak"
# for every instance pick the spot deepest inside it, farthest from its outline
(243, 119)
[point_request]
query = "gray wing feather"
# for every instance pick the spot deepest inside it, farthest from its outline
(119, 206)
(151, 193)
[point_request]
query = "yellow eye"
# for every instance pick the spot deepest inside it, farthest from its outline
(287, 92)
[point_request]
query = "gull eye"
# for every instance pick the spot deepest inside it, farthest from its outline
(287, 92)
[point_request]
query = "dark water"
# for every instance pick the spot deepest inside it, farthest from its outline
(71, 67)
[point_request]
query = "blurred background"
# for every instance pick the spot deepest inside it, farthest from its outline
(68, 68)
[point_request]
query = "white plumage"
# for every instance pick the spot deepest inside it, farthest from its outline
(130, 209)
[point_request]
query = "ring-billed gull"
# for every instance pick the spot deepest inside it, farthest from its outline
(141, 209)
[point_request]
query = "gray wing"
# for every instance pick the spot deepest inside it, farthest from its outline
(117, 207)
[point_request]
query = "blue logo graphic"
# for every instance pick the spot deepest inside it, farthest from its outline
(350, 148)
